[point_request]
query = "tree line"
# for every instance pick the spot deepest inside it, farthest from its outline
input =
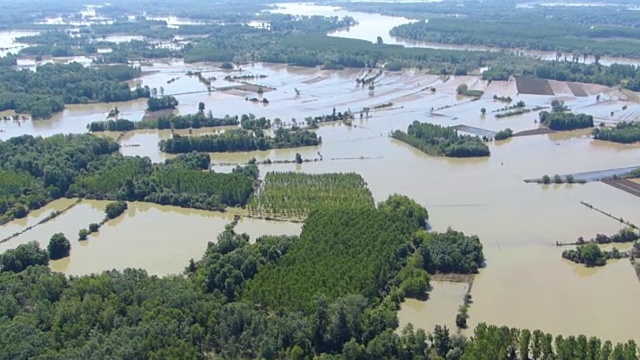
(239, 140)
(622, 132)
(188, 121)
(439, 140)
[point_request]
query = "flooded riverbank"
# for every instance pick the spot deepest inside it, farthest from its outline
(525, 283)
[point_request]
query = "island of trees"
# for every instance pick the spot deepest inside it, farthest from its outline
(438, 140)
(590, 254)
(239, 140)
(623, 132)
(189, 121)
(562, 121)
(45, 91)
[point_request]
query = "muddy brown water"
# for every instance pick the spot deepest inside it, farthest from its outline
(525, 283)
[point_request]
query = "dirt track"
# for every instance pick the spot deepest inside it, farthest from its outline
(629, 186)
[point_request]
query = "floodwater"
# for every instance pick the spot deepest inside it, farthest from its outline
(526, 282)
(442, 306)
(371, 25)
(160, 239)
(8, 42)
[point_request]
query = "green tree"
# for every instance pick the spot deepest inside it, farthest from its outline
(483, 111)
(83, 233)
(59, 247)
(201, 107)
(94, 227)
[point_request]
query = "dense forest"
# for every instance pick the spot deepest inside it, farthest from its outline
(533, 33)
(343, 250)
(623, 132)
(242, 44)
(239, 140)
(293, 195)
(439, 140)
(189, 121)
(179, 182)
(130, 314)
(46, 90)
(36, 170)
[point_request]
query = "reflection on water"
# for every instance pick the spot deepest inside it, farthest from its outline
(525, 284)
(444, 300)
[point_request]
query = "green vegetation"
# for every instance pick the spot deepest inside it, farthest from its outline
(528, 32)
(250, 122)
(131, 314)
(628, 76)
(463, 89)
(562, 121)
(179, 182)
(161, 103)
(342, 250)
(239, 140)
(293, 195)
(36, 170)
(438, 140)
(623, 132)
(450, 252)
(83, 234)
(503, 134)
(46, 90)
(193, 121)
(23, 256)
(239, 43)
(115, 209)
(590, 254)
(59, 247)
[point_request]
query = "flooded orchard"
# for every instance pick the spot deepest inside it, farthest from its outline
(525, 284)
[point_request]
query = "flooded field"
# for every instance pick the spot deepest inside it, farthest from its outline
(526, 282)
(444, 300)
(159, 239)
(371, 25)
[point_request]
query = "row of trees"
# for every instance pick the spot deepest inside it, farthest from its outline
(189, 121)
(293, 195)
(239, 140)
(439, 140)
(623, 132)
